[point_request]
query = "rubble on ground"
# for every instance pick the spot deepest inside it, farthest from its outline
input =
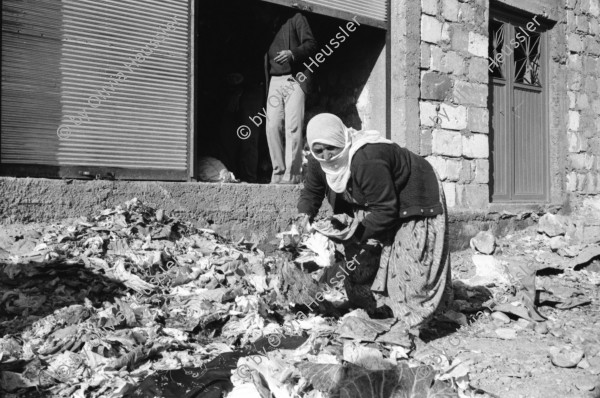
(133, 302)
(98, 306)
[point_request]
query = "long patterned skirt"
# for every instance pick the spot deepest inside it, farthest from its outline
(413, 275)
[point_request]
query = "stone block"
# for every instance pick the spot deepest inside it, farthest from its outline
(435, 86)
(576, 160)
(577, 142)
(425, 142)
(431, 29)
(592, 183)
(592, 46)
(572, 99)
(582, 161)
(584, 6)
(450, 10)
(452, 117)
(594, 27)
(473, 196)
(575, 61)
(482, 171)
(447, 143)
(573, 120)
(466, 14)
(594, 144)
(475, 146)
(459, 39)
(425, 56)
(582, 24)
(478, 45)
(484, 242)
(437, 58)
(446, 32)
(453, 63)
(595, 8)
(453, 169)
(591, 82)
(582, 101)
(466, 171)
(574, 81)
(571, 185)
(479, 120)
(570, 20)
(589, 66)
(586, 125)
(478, 70)
(574, 43)
(581, 182)
(570, 4)
(450, 194)
(558, 242)
(429, 7)
(427, 113)
(553, 225)
(474, 94)
(596, 106)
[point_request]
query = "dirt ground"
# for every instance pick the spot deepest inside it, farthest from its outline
(521, 366)
(490, 345)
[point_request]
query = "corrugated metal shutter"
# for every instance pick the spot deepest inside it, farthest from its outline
(111, 78)
(369, 12)
(374, 9)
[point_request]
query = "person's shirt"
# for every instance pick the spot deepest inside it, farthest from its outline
(294, 35)
(388, 181)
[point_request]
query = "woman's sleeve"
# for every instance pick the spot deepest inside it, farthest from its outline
(313, 193)
(374, 178)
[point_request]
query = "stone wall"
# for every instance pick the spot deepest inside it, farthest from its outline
(454, 94)
(583, 90)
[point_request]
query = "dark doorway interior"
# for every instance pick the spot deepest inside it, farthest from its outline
(231, 40)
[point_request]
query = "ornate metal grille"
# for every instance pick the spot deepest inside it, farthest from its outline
(527, 58)
(497, 44)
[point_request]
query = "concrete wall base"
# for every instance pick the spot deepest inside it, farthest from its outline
(257, 212)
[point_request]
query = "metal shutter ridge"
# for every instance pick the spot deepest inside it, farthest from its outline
(96, 83)
(369, 12)
(374, 9)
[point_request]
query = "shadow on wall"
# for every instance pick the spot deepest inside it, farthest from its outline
(341, 78)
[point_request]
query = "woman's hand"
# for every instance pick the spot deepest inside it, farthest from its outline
(302, 223)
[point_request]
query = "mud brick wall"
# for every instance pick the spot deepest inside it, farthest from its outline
(453, 98)
(583, 90)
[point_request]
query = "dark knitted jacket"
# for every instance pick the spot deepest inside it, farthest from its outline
(388, 181)
(294, 35)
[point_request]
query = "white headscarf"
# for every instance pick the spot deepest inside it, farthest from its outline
(329, 129)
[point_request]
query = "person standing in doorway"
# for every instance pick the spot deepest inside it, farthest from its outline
(288, 81)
